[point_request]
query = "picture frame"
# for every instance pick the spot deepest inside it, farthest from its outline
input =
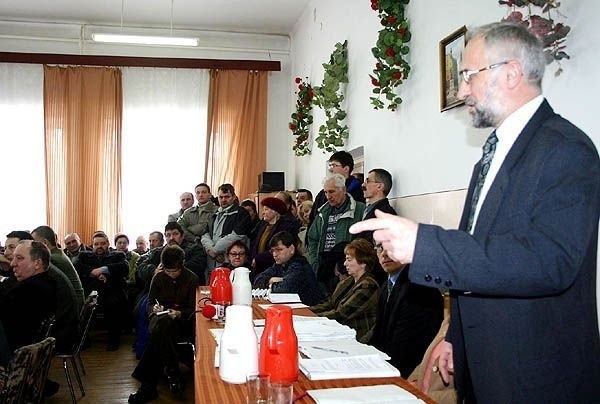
(451, 49)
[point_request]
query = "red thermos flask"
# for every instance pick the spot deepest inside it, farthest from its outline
(279, 346)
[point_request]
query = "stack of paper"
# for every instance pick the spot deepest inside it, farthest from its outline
(352, 367)
(382, 394)
(332, 349)
(284, 298)
(323, 329)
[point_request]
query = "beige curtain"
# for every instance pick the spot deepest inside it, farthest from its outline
(82, 112)
(237, 129)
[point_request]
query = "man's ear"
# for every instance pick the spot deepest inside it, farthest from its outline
(514, 74)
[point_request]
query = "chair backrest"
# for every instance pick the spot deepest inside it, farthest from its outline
(46, 327)
(17, 371)
(42, 353)
(27, 372)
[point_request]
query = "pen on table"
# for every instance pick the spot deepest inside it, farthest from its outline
(300, 397)
(330, 350)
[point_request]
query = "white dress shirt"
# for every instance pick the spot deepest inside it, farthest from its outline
(507, 134)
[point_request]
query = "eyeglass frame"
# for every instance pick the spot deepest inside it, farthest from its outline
(237, 254)
(370, 181)
(466, 74)
(332, 165)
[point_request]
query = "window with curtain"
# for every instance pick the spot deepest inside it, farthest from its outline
(237, 129)
(82, 109)
(23, 201)
(164, 143)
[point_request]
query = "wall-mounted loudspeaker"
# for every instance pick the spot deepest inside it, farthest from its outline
(270, 181)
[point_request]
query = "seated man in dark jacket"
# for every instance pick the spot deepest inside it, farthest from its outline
(408, 316)
(31, 299)
(173, 289)
(291, 272)
(195, 258)
(105, 271)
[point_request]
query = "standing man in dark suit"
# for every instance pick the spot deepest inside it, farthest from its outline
(522, 267)
(408, 316)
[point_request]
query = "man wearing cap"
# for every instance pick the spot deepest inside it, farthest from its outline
(275, 220)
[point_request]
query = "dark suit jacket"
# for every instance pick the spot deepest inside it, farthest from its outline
(528, 330)
(407, 323)
(382, 205)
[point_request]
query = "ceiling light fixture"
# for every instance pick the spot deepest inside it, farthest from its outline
(145, 39)
(135, 39)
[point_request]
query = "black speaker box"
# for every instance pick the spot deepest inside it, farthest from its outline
(270, 181)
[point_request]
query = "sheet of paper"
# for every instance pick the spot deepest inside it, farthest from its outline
(340, 347)
(381, 394)
(292, 305)
(284, 298)
(350, 367)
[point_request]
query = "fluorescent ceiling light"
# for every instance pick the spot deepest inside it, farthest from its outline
(145, 40)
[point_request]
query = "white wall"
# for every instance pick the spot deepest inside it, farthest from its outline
(427, 151)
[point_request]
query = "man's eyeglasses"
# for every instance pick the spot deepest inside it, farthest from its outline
(466, 74)
(237, 254)
(379, 248)
(370, 181)
(332, 165)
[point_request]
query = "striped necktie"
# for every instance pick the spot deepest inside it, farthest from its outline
(390, 286)
(486, 160)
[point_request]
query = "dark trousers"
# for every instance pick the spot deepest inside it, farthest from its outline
(161, 350)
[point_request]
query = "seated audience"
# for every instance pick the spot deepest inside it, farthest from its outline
(354, 300)
(195, 259)
(275, 220)
(186, 200)
(156, 239)
(331, 225)
(173, 289)
(250, 207)
(289, 203)
(122, 244)
(141, 245)
(408, 316)
(105, 271)
(32, 299)
(46, 235)
(73, 246)
(291, 272)
(304, 216)
(238, 255)
(303, 195)
(194, 221)
(12, 239)
(426, 376)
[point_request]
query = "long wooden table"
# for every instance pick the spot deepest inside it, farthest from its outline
(209, 388)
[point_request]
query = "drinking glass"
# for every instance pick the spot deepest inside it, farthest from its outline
(257, 388)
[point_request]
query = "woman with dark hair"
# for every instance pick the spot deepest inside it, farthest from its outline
(354, 300)
(238, 255)
(275, 220)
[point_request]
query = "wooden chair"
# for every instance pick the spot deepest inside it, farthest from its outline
(27, 372)
(74, 355)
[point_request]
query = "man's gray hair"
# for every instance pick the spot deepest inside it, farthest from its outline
(338, 180)
(506, 41)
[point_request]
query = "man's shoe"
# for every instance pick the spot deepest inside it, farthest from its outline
(143, 395)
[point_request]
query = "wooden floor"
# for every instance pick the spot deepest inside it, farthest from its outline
(108, 378)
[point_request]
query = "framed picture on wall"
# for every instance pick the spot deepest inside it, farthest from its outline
(451, 49)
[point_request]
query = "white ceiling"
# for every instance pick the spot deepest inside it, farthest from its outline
(252, 16)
